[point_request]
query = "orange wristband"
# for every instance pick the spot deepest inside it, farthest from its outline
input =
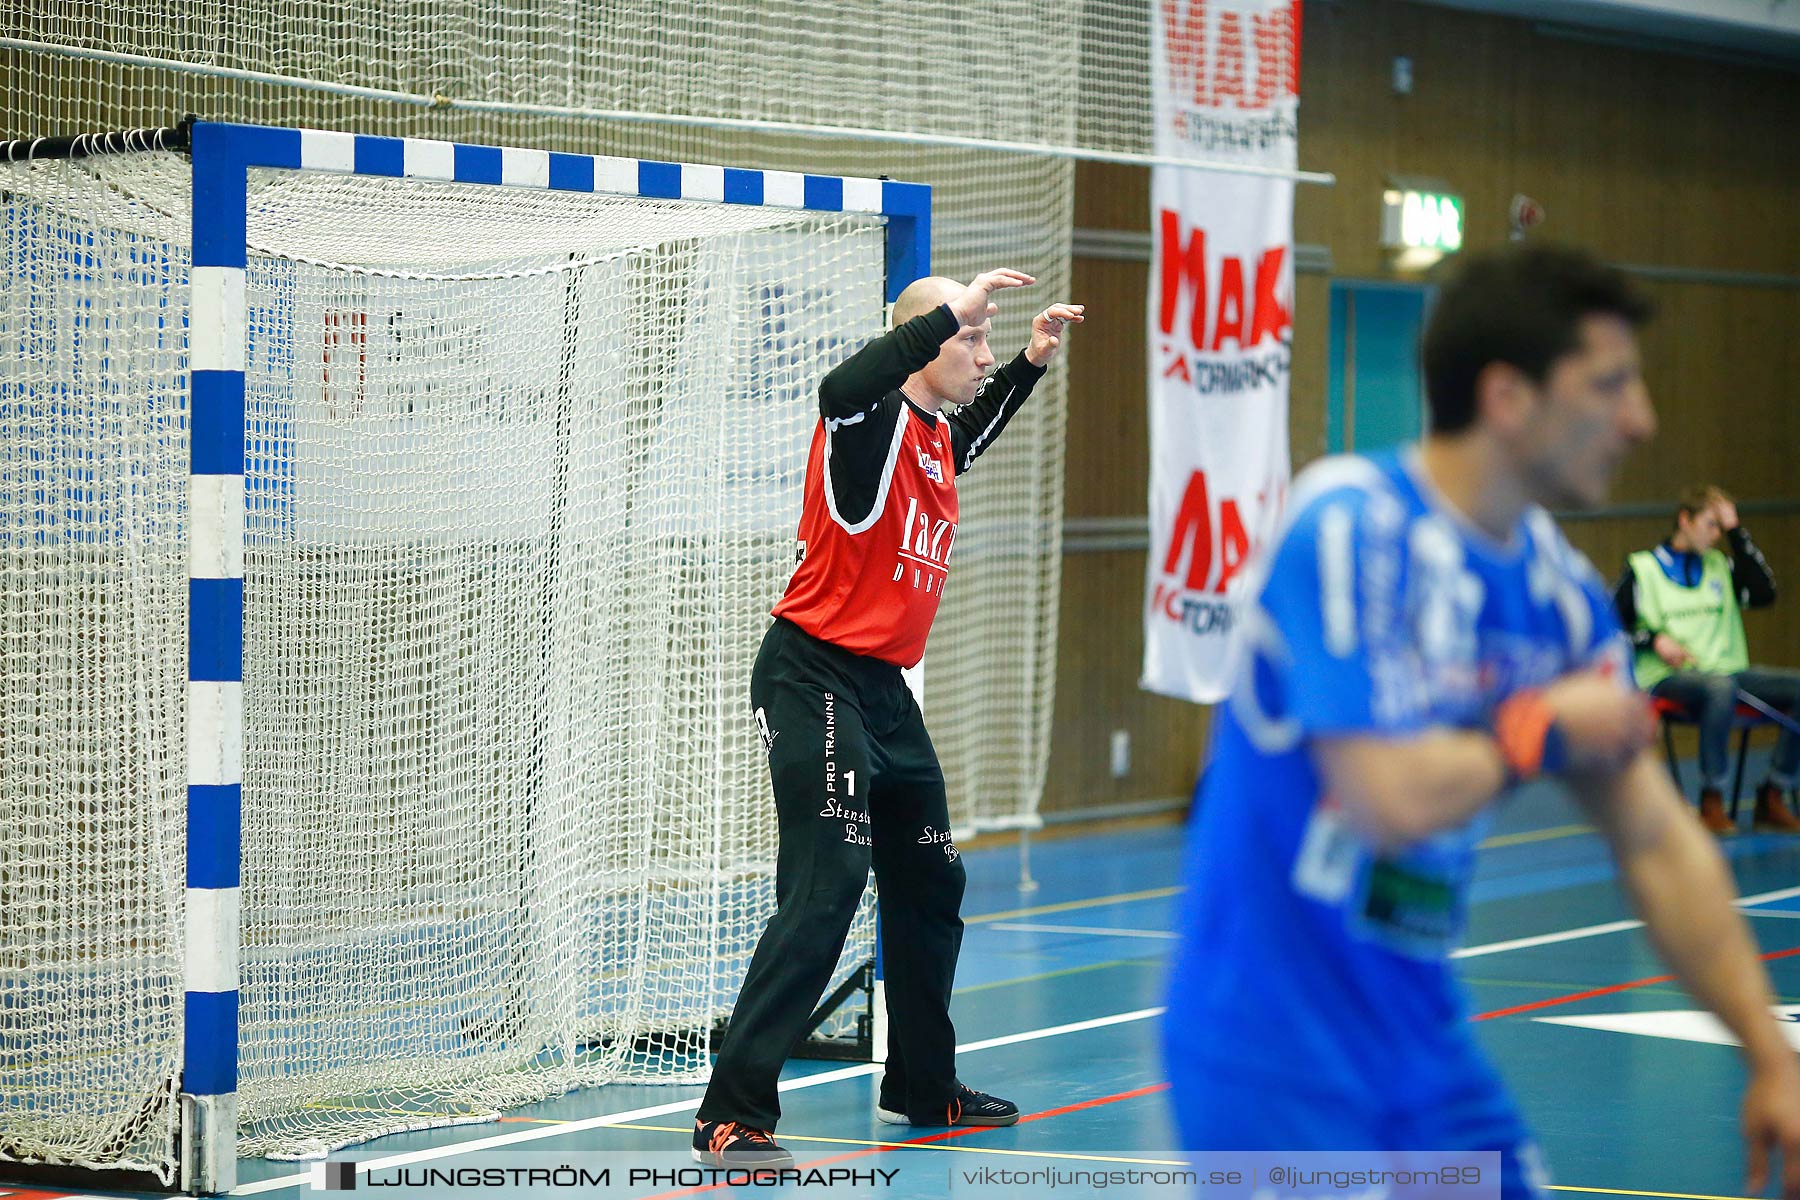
(1525, 730)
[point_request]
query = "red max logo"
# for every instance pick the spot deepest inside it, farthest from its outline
(1218, 305)
(1213, 80)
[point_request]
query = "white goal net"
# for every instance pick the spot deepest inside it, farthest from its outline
(522, 481)
(703, 81)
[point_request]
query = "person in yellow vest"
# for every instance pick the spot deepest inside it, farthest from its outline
(1682, 602)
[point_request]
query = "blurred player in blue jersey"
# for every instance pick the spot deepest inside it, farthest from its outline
(1423, 640)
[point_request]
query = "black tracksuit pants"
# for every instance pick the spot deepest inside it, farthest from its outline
(857, 783)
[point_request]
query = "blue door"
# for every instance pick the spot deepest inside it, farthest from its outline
(1376, 395)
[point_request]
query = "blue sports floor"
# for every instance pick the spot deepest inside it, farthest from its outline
(1056, 1008)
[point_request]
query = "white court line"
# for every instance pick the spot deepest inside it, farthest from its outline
(1545, 939)
(1096, 931)
(1032, 1035)
(1570, 935)
(1770, 897)
(660, 1110)
(862, 1069)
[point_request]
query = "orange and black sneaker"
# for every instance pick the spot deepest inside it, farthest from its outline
(732, 1144)
(1772, 812)
(967, 1107)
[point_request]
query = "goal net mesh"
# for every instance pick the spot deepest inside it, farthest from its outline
(547, 73)
(620, 77)
(523, 473)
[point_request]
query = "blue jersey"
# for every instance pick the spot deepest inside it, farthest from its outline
(1308, 957)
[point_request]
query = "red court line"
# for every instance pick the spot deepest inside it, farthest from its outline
(1605, 991)
(964, 1131)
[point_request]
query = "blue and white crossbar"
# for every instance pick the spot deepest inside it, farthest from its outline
(228, 149)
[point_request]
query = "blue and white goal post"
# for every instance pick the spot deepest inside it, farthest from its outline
(493, 464)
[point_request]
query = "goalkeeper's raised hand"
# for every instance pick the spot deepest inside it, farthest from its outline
(975, 304)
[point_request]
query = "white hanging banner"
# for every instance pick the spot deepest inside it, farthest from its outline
(1225, 88)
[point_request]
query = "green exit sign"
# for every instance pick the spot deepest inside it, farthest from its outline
(1420, 220)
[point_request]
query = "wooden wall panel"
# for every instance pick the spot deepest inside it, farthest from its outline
(1109, 438)
(1723, 365)
(1100, 646)
(1649, 158)
(1652, 159)
(1308, 383)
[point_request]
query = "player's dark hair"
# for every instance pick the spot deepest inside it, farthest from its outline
(1520, 305)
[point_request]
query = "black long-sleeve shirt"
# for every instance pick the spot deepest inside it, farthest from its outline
(861, 403)
(1751, 578)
